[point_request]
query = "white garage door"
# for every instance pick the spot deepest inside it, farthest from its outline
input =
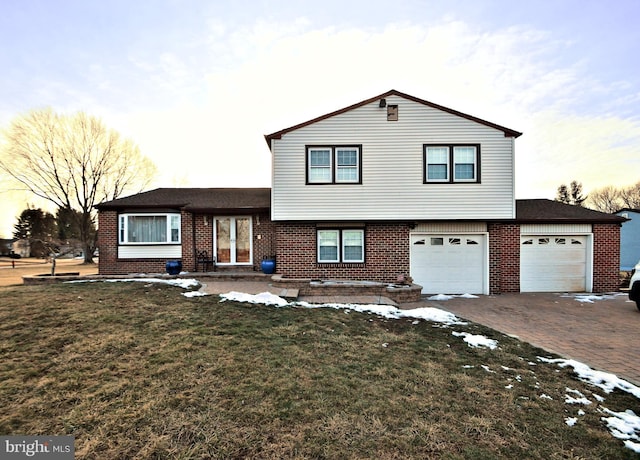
(448, 264)
(550, 263)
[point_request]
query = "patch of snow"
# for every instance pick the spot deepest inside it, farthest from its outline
(508, 387)
(590, 298)
(468, 366)
(486, 368)
(603, 380)
(265, 298)
(435, 315)
(440, 297)
(443, 297)
(545, 396)
(570, 421)
(194, 294)
(568, 399)
(581, 412)
(624, 425)
(477, 340)
(184, 283)
(597, 397)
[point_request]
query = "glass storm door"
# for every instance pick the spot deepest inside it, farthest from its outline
(233, 240)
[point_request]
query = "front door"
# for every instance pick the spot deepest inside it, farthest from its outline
(232, 236)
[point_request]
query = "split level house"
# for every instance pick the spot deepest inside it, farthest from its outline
(391, 186)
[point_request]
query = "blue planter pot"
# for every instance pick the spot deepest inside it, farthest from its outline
(174, 267)
(268, 266)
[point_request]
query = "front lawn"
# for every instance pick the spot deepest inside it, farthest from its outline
(137, 370)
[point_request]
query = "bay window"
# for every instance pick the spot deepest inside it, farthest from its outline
(149, 229)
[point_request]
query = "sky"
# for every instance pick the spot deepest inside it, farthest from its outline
(196, 84)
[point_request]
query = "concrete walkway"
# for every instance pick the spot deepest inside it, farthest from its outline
(604, 334)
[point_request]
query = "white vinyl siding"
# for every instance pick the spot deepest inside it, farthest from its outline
(392, 168)
(150, 252)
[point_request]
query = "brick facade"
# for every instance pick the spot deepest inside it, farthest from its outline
(386, 254)
(194, 227)
(387, 251)
(606, 257)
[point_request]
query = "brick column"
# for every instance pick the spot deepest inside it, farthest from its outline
(606, 257)
(504, 258)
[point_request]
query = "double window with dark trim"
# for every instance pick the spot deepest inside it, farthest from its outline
(448, 163)
(334, 164)
(344, 245)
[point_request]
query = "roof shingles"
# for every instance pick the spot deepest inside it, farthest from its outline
(195, 199)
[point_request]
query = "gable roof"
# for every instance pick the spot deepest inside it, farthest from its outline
(195, 199)
(278, 134)
(547, 211)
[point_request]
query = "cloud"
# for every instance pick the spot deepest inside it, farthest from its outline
(199, 104)
(277, 75)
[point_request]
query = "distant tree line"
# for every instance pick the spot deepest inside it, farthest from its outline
(607, 199)
(47, 234)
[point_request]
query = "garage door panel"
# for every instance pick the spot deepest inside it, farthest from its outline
(451, 264)
(553, 263)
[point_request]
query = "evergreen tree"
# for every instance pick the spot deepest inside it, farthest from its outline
(571, 194)
(39, 228)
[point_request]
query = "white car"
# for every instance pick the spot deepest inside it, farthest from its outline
(634, 285)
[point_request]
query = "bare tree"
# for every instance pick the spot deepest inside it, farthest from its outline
(74, 162)
(630, 196)
(606, 199)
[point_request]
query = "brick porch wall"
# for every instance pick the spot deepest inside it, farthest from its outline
(504, 258)
(606, 257)
(386, 254)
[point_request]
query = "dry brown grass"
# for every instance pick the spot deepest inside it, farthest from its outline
(136, 370)
(12, 270)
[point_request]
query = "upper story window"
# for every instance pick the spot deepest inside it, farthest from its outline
(149, 229)
(334, 164)
(451, 163)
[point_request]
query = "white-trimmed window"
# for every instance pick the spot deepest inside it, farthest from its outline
(451, 163)
(320, 165)
(334, 164)
(344, 245)
(149, 229)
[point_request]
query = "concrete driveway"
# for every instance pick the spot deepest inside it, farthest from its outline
(604, 333)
